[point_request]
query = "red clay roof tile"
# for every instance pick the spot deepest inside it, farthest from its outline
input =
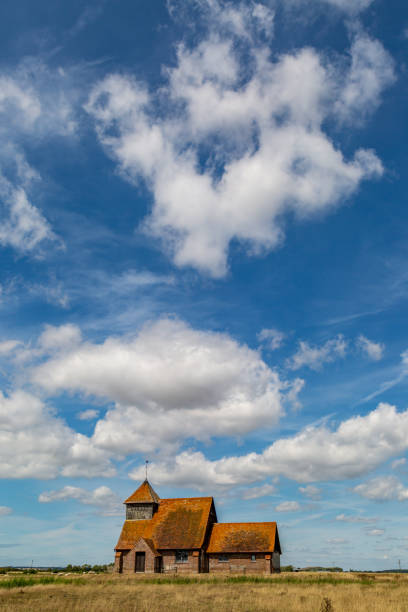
(144, 494)
(177, 524)
(242, 537)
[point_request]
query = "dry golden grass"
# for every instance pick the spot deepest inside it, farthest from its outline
(282, 593)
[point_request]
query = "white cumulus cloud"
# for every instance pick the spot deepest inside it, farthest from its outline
(383, 488)
(198, 384)
(34, 443)
(227, 145)
(314, 454)
(371, 71)
(58, 338)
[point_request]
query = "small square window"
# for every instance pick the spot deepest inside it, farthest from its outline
(181, 556)
(253, 557)
(223, 558)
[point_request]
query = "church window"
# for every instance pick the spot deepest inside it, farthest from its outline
(181, 556)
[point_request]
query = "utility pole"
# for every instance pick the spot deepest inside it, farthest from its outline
(399, 564)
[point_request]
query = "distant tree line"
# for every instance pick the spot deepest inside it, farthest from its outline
(75, 569)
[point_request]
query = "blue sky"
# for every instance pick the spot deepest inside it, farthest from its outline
(203, 246)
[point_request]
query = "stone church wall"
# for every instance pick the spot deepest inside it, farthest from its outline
(240, 563)
(170, 565)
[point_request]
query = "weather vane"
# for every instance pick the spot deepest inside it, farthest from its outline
(146, 462)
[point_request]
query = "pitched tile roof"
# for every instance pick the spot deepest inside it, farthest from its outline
(144, 494)
(177, 524)
(242, 537)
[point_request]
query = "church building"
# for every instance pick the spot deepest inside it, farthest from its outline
(183, 535)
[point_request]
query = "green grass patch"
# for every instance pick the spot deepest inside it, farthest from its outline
(242, 579)
(25, 581)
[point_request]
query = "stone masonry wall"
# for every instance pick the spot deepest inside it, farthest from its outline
(170, 565)
(240, 563)
(129, 559)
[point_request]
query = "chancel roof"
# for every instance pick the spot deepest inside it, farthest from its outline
(144, 494)
(243, 537)
(178, 524)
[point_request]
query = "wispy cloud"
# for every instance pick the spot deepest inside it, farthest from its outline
(383, 488)
(374, 350)
(102, 498)
(271, 338)
(314, 357)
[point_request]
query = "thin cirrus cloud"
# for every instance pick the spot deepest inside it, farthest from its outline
(256, 492)
(349, 6)
(288, 506)
(398, 463)
(376, 532)
(23, 227)
(8, 346)
(36, 104)
(102, 498)
(349, 518)
(217, 98)
(311, 492)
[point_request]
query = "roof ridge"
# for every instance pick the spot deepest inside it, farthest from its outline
(247, 523)
(179, 498)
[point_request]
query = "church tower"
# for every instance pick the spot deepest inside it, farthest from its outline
(143, 503)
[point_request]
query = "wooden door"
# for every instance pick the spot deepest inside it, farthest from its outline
(158, 568)
(140, 562)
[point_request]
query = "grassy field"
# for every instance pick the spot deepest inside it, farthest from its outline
(281, 593)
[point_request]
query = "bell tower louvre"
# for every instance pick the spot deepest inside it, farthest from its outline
(143, 503)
